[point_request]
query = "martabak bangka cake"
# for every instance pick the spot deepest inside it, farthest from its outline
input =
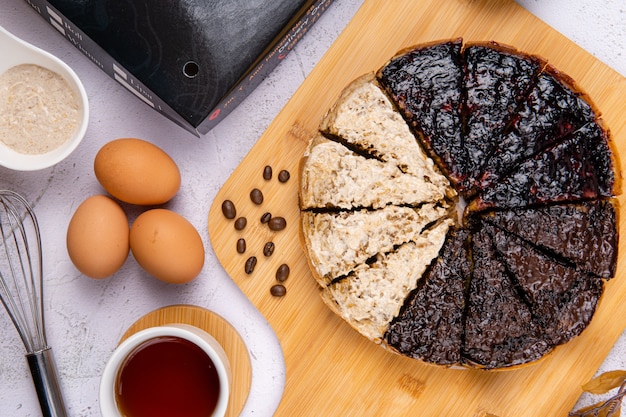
(458, 205)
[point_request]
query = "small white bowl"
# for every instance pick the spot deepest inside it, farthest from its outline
(108, 402)
(15, 51)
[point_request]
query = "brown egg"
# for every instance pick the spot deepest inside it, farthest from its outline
(167, 246)
(97, 237)
(137, 172)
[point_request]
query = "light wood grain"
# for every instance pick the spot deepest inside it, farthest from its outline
(222, 331)
(331, 369)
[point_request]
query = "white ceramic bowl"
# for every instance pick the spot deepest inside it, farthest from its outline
(108, 403)
(15, 51)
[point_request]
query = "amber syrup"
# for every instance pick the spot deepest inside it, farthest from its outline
(167, 377)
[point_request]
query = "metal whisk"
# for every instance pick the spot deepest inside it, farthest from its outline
(21, 292)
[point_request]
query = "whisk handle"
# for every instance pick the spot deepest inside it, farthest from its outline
(46, 382)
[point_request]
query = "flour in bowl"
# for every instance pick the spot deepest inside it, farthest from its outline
(38, 109)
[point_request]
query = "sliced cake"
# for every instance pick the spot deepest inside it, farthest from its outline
(427, 85)
(333, 176)
(562, 298)
(499, 326)
(339, 241)
(364, 119)
(585, 234)
(499, 262)
(497, 79)
(552, 110)
(430, 324)
(580, 167)
(372, 295)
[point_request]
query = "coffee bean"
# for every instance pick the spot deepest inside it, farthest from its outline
(256, 196)
(228, 208)
(282, 273)
(268, 249)
(277, 223)
(283, 176)
(241, 245)
(250, 264)
(267, 173)
(240, 223)
(278, 290)
(266, 217)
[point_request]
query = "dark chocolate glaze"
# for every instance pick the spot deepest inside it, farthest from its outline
(580, 167)
(430, 324)
(426, 84)
(550, 112)
(499, 326)
(496, 82)
(584, 234)
(528, 152)
(562, 299)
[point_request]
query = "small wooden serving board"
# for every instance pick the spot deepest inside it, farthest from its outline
(331, 369)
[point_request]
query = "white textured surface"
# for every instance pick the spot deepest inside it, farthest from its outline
(86, 318)
(599, 27)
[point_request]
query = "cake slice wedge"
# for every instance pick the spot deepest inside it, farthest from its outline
(496, 78)
(580, 167)
(584, 234)
(364, 119)
(430, 324)
(333, 176)
(372, 295)
(562, 299)
(499, 327)
(337, 242)
(553, 109)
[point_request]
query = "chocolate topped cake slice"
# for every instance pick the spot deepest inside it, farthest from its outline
(430, 324)
(580, 167)
(499, 326)
(497, 79)
(552, 110)
(562, 298)
(426, 83)
(584, 234)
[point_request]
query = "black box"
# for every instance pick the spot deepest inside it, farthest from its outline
(193, 61)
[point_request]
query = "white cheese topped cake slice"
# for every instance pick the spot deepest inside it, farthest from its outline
(370, 297)
(364, 118)
(338, 242)
(333, 176)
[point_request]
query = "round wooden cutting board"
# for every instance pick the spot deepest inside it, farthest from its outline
(221, 330)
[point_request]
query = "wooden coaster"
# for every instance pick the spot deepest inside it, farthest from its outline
(222, 331)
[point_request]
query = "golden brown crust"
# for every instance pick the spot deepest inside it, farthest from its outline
(303, 244)
(301, 167)
(332, 305)
(302, 229)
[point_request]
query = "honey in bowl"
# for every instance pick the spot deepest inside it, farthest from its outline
(167, 376)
